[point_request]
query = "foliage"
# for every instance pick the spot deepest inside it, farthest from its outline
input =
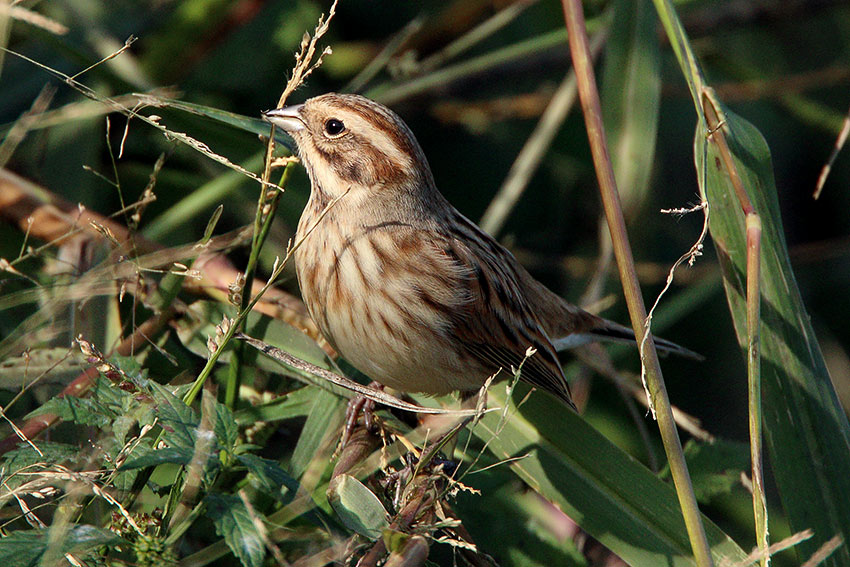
(182, 445)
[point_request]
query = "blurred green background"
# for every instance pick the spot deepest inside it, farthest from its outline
(783, 65)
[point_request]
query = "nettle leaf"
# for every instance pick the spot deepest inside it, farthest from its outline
(178, 420)
(225, 427)
(121, 427)
(131, 368)
(269, 476)
(26, 548)
(25, 457)
(104, 404)
(84, 411)
(172, 455)
(234, 523)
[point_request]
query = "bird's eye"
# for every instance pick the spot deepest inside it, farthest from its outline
(334, 127)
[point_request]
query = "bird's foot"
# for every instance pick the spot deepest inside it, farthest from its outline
(357, 407)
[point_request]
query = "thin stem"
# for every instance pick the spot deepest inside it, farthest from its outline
(534, 150)
(717, 135)
(589, 96)
(266, 208)
(476, 35)
(754, 382)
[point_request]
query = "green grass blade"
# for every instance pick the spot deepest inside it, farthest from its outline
(631, 95)
(254, 125)
(610, 495)
(806, 430)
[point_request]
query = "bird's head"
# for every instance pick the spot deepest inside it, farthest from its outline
(348, 142)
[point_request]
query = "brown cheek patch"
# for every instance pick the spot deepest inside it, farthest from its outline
(372, 166)
(387, 171)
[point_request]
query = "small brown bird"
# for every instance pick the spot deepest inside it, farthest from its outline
(406, 288)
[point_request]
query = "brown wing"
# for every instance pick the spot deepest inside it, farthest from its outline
(496, 325)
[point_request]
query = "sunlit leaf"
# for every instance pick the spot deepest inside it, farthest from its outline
(233, 522)
(608, 493)
(358, 507)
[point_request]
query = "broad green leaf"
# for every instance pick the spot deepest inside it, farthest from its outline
(24, 457)
(83, 411)
(806, 430)
(358, 507)
(525, 538)
(233, 522)
(608, 493)
(631, 93)
(294, 404)
(131, 368)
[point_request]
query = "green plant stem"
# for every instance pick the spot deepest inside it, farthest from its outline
(476, 35)
(754, 382)
(715, 122)
(266, 208)
(589, 97)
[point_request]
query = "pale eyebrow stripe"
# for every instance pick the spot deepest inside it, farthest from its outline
(381, 141)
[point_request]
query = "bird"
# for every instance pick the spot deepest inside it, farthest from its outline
(401, 284)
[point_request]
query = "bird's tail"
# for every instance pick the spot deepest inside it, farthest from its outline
(614, 332)
(569, 326)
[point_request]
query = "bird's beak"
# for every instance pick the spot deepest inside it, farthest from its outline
(288, 118)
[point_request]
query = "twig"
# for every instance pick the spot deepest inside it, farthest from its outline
(839, 144)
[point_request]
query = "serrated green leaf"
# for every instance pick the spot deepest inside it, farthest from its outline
(104, 404)
(178, 421)
(233, 522)
(23, 549)
(357, 507)
(806, 430)
(25, 457)
(225, 427)
(173, 455)
(26, 548)
(131, 368)
(269, 475)
(121, 426)
(84, 411)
